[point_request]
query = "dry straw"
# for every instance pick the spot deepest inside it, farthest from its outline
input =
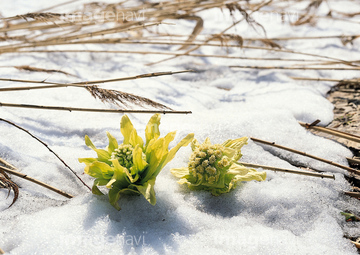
(26, 177)
(277, 169)
(273, 144)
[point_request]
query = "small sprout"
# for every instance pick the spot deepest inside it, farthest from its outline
(132, 167)
(350, 217)
(213, 167)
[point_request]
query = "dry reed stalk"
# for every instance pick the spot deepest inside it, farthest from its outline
(352, 194)
(7, 49)
(353, 160)
(355, 36)
(26, 177)
(118, 97)
(276, 169)
(2, 251)
(296, 68)
(172, 54)
(2, 161)
(357, 245)
(85, 83)
(36, 69)
(68, 40)
(70, 109)
(222, 32)
(341, 134)
(40, 141)
(322, 79)
(306, 155)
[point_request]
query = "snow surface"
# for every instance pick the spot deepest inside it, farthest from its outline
(286, 214)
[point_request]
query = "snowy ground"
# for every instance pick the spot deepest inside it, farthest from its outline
(286, 214)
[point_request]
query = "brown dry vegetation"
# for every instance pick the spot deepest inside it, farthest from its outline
(47, 31)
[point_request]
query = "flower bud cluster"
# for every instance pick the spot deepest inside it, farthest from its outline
(124, 154)
(207, 161)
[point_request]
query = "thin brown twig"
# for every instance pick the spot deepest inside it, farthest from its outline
(198, 45)
(277, 169)
(70, 109)
(85, 83)
(2, 161)
(341, 134)
(305, 154)
(296, 68)
(352, 194)
(39, 140)
(353, 160)
(208, 40)
(322, 79)
(172, 54)
(24, 176)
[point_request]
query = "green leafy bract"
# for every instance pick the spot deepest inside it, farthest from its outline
(215, 168)
(131, 167)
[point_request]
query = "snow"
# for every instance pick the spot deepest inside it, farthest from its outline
(286, 214)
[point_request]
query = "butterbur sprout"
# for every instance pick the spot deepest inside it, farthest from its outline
(132, 167)
(213, 167)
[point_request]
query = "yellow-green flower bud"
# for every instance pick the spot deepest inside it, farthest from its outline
(208, 162)
(124, 154)
(212, 159)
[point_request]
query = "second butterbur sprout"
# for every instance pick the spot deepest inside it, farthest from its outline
(207, 162)
(214, 167)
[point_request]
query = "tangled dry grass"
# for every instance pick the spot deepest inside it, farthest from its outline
(47, 31)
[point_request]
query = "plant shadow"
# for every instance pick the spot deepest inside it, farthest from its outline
(138, 226)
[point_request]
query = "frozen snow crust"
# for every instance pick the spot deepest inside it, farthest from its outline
(286, 214)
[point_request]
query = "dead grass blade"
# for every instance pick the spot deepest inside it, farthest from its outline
(44, 16)
(330, 131)
(118, 97)
(225, 38)
(232, 7)
(270, 43)
(7, 183)
(26, 177)
(349, 169)
(355, 82)
(277, 169)
(297, 68)
(77, 109)
(53, 152)
(197, 29)
(36, 69)
(309, 17)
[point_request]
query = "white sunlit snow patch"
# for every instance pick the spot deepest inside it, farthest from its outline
(286, 214)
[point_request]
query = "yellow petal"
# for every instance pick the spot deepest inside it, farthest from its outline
(103, 155)
(147, 190)
(139, 162)
(194, 144)
(135, 139)
(99, 170)
(236, 143)
(152, 128)
(251, 175)
(113, 144)
(184, 142)
(237, 169)
(153, 157)
(126, 127)
(180, 172)
(207, 141)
